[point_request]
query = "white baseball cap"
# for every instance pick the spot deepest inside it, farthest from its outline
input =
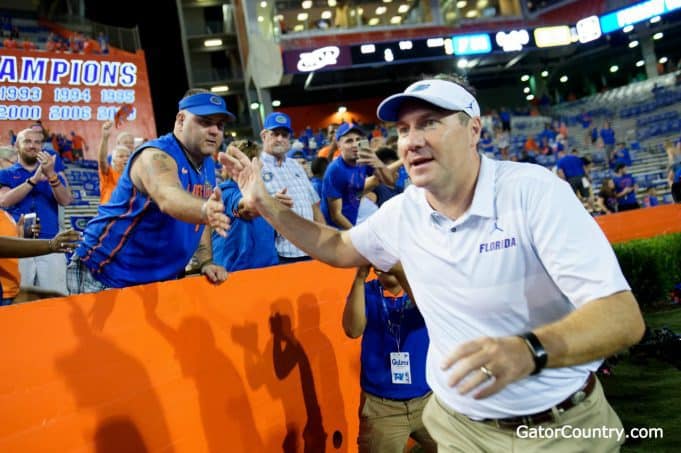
(441, 93)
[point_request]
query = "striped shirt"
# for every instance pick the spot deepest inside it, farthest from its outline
(289, 174)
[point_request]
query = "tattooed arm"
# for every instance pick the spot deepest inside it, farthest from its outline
(154, 173)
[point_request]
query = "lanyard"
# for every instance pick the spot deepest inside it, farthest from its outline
(394, 327)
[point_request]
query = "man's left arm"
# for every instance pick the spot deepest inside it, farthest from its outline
(598, 329)
(204, 255)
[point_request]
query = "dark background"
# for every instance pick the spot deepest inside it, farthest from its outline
(160, 35)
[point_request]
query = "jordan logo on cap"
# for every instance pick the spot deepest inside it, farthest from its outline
(280, 119)
(215, 100)
(420, 87)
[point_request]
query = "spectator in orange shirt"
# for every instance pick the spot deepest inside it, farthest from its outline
(109, 174)
(10, 43)
(531, 144)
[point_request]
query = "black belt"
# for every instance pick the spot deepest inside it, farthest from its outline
(547, 415)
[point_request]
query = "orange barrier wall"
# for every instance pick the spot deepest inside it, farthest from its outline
(257, 364)
(641, 223)
(84, 107)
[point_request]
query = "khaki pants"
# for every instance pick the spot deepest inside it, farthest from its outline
(454, 432)
(385, 425)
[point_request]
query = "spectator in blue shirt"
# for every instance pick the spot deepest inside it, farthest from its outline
(608, 137)
(394, 345)
(625, 189)
(37, 184)
(620, 156)
(318, 168)
(650, 199)
(571, 168)
(344, 181)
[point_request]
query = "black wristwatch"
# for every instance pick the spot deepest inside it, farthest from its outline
(537, 349)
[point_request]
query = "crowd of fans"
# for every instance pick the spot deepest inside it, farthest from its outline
(74, 42)
(350, 170)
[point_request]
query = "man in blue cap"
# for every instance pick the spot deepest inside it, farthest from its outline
(154, 222)
(285, 175)
(345, 180)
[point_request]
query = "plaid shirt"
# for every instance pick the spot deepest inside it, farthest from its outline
(290, 175)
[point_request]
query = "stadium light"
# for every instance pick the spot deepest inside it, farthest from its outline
(614, 68)
(545, 73)
(524, 78)
(640, 63)
(563, 79)
(529, 97)
(276, 103)
(663, 60)
(658, 35)
(633, 44)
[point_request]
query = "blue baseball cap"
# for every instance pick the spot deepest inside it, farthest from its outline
(205, 104)
(346, 128)
(441, 93)
(278, 120)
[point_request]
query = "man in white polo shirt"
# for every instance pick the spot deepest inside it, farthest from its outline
(518, 315)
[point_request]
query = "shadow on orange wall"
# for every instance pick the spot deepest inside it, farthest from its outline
(184, 366)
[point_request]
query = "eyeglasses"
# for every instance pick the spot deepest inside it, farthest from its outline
(283, 133)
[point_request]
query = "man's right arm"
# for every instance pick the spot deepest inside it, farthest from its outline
(102, 153)
(336, 213)
(354, 313)
(321, 242)
(154, 172)
(10, 197)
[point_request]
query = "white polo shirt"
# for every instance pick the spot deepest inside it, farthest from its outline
(291, 175)
(526, 253)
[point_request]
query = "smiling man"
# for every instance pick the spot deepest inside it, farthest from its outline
(518, 316)
(154, 222)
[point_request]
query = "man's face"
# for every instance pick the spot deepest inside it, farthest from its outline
(29, 146)
(202, 134)
(349, 146)
(276, 141)
(436, 148)
(120, 158)
(128, 141)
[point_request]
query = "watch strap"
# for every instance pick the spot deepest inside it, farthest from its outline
(539, 354)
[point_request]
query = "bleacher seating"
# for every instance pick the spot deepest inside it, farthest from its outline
(84, 181)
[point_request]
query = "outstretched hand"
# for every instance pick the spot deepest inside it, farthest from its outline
(65, 241)
(213, 213)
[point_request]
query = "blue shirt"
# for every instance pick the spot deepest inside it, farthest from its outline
(317, 184)
(249, 243)
(378, 342)
(571, 165)
(608, 136)
(39, 200)
(347, 183)
(130, 241)
(626, 180)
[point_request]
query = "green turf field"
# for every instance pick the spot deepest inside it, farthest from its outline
(648, 393)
